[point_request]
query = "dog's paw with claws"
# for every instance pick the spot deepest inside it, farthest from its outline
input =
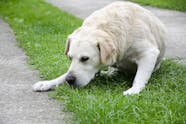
(42, 86)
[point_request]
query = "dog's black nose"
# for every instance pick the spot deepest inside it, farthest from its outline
(70, 79)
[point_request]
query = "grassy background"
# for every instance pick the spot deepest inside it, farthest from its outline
(41, 31)
(168, 4)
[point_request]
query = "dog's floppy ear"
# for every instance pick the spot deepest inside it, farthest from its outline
(67, 45)
(106, 51)
(68, 41)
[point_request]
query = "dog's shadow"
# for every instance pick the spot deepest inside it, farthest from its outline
(124, 80)
(118, 79)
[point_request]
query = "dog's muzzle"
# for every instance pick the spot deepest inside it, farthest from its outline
(70, 79)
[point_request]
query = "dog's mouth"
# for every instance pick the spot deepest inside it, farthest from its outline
(79, 84)
(72, 85)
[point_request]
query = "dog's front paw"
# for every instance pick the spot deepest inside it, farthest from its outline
(43, 86)
(132, 91)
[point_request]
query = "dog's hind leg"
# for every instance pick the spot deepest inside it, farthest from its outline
(49, 84)
(146, 65)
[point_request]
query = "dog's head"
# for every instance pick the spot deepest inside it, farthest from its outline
(88, 50)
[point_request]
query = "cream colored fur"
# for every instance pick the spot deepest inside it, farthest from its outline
(123, 35)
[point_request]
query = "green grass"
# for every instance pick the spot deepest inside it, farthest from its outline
(162, 101)
(41, 31)
(167, 4)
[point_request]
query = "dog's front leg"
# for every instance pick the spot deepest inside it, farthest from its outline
(145, 68)
(49, 84)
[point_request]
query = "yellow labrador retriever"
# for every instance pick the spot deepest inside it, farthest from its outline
(123, 35)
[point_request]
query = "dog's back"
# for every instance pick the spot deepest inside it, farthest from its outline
(129, 23)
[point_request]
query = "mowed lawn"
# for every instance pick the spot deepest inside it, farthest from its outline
(41, 30)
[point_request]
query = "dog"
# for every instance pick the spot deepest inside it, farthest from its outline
(123, 35)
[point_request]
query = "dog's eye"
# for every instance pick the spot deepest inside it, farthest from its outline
(84, 58)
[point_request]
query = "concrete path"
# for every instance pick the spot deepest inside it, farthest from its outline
(18, 104)
(175, 22)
